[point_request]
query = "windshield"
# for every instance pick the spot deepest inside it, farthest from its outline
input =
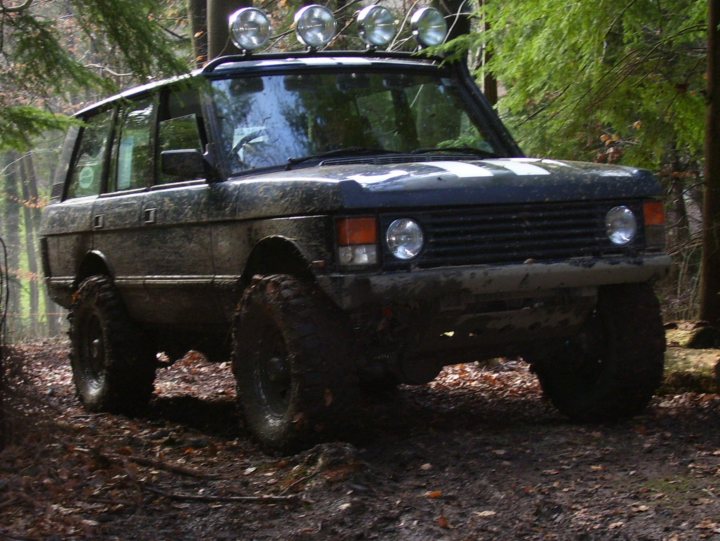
(267, 120)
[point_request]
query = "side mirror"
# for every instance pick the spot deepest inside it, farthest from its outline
(184, 164)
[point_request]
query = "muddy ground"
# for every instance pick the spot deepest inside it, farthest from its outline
(477, 454)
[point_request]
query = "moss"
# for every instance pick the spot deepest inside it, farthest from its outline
(694, 370)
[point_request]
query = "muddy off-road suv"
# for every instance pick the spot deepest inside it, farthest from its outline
(337, 222)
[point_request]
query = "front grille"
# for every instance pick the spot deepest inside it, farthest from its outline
(507, 234)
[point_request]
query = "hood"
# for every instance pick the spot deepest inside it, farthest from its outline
(497, 181)
(448, 183)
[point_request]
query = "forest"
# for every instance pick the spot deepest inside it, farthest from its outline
(477, 453)
(598, 82)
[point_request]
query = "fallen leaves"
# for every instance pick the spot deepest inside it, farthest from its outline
(709, 524)
(471, 471)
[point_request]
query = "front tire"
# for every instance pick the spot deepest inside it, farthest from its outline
(113, 365)
(296, 382)
(612, 368)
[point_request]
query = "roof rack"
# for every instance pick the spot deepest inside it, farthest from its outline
(211, 66)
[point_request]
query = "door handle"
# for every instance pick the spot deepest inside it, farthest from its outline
(98, 221)
(149, 216)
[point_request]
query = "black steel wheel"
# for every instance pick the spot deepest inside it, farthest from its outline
(612, 368)
(296, 381)
(112, 361)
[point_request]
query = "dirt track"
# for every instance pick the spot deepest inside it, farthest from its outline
(478, 454)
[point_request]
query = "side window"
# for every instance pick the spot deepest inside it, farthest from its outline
(179, 127)
(87, 173)
(134, 159)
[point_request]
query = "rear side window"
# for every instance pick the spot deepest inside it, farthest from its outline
(134, 158)
(180, 125)
(87, 173)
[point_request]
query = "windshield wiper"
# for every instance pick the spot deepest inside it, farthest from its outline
(347, 151)
(456, 150)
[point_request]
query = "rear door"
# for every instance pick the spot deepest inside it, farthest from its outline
(117, 213)
(67, 225)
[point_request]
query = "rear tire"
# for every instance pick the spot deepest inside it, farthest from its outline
(612, 368)
(296, 382)
(113, 364)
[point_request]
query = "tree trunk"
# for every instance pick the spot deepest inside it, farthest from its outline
(710, 278)
(218, 37)
(490, 84)
(197, 14)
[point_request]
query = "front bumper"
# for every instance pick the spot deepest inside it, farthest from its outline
(464, 285)
(468, 313)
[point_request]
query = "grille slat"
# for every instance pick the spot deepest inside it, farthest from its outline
(506, 234)
(480, 233)
(500, 248)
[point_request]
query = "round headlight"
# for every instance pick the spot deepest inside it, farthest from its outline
(315, 25)
(377, 26)
(404, 238)
(429, 27)
(249, 28)
(620, 225)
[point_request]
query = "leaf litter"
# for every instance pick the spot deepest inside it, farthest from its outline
(476, 454)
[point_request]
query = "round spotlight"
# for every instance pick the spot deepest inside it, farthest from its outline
(620, 225)
(429, 27)
(404, 238)
(315, 26)
(249, 28)
(377, 26)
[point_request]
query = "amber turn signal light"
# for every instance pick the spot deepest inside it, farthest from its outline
(362, 230)
(653, 213)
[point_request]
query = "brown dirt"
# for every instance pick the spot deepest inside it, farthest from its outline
(477, 454)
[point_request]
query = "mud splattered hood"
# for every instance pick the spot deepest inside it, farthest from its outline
(443, 183)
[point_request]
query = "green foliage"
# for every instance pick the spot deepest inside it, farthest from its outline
(130, 26)
(599, 80)
(57, 53)
(33, 36)
(18, 125)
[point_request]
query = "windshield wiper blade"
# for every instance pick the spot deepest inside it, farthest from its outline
(347, 151)
(456, 150)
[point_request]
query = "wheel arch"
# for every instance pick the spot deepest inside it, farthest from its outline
(277, 255)
(94, 263)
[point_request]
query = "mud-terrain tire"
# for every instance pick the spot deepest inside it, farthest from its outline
(292, 360)
(612, 368)
(112, 361)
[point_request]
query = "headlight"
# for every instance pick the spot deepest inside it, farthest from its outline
(249, 28)
(429, 27)
(620, 225)
(404, 238)
(377, 26)
(315, 25)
